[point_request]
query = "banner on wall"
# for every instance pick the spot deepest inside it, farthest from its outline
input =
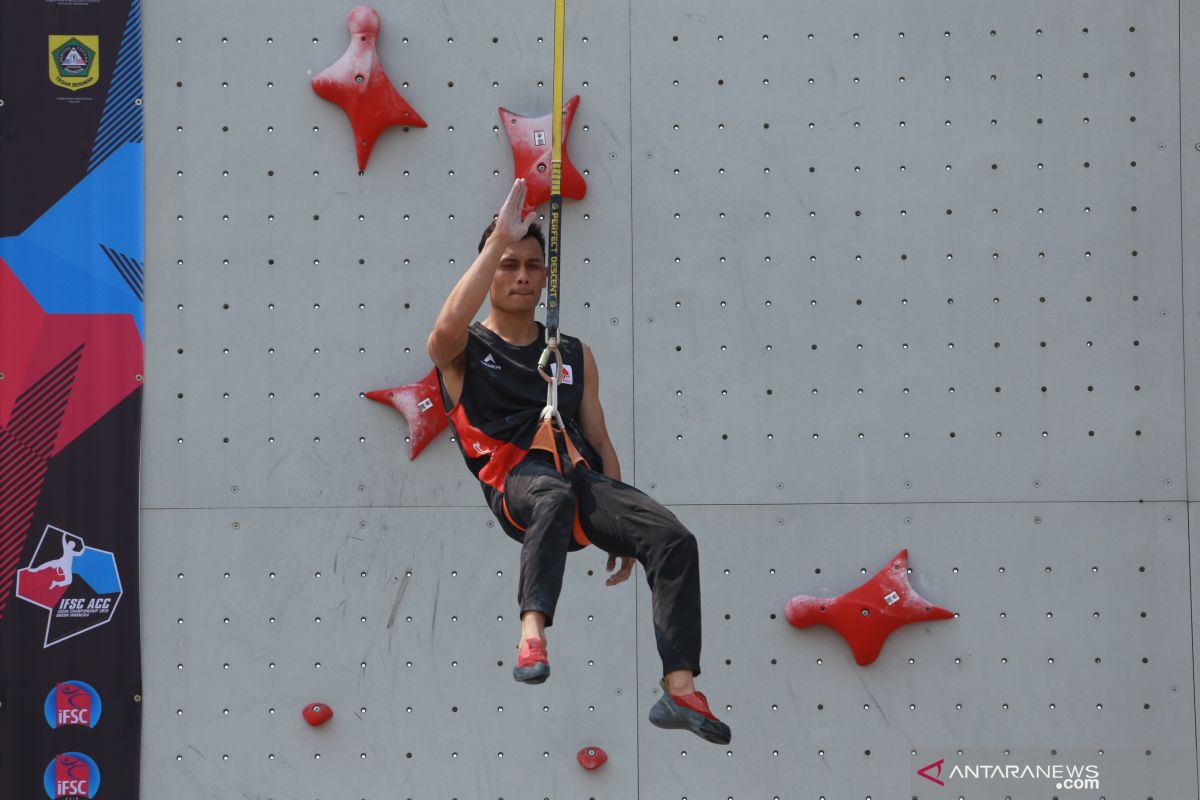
(71, 360)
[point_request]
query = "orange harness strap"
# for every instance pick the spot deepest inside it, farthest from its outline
(545, 439)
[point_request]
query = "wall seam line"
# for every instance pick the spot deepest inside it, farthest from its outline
(633, 414)
(1183, 354)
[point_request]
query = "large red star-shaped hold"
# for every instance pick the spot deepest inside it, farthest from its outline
(866, 616)
(421, 405)
(358, 83)
(533, 151)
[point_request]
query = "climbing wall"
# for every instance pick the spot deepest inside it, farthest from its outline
(858, 279)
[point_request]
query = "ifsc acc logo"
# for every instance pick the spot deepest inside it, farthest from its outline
(78, 585)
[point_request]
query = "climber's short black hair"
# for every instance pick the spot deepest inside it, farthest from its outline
(535, 230)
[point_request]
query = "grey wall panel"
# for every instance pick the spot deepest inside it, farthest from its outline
(1189, 151)
(856, 288)
(1193, 524)
(292, 305)
(248, 602)
(1046, 651)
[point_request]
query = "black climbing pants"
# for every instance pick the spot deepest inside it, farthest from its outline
(619, 519)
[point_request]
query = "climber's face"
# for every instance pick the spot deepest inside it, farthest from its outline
(518, 282)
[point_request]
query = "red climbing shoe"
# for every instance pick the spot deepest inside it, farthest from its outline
(532, 664)
(689, 711)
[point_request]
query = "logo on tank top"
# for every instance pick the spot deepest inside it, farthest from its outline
(567, 376)
(489, 362)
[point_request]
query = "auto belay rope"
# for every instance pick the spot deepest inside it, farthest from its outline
(551, 425)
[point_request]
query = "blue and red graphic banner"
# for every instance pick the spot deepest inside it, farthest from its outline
(71, 361)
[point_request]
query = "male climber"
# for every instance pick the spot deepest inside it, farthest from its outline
(494, 395)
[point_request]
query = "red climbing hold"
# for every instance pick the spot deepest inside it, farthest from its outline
(533, 151)
(317, 714)
(421, 405)
(866, 616)
(358, 83)
(592, 757)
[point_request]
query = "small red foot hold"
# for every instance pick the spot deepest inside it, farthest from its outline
(533, 151)
(317, 714)
(866, 616)
(421, 405)
(592, 757)
(358, 83)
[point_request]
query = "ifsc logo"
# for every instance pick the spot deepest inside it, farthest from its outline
(78, 585)
(72, 703)
(71, 776)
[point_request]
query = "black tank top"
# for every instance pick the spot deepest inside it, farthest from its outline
(502, 399)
